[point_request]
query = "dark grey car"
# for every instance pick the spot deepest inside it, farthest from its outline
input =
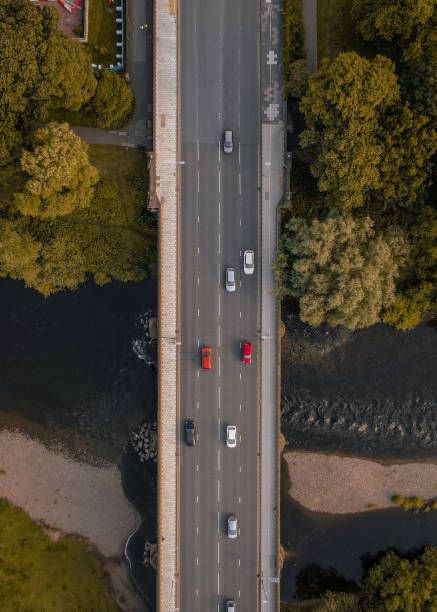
(190, 432)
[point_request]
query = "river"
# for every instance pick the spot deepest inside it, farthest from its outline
(370, 393)
(71, 378)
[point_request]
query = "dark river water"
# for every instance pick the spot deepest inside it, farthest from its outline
(70, 377)
(370, 393)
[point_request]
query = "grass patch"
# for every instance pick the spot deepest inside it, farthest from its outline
(110, 158)
(37, 573)
(101, 32)
(335, 28)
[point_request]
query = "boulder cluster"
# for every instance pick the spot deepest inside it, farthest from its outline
(150, 556)
(145, 441)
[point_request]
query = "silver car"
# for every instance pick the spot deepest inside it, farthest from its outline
(249, 262)
(228, 141)
(232, 527)
(230, 279)
(231, 436)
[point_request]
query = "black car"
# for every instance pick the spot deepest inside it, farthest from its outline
(190, 432)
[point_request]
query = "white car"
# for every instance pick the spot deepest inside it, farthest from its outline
(230, 606)
(231, 436)
(249, 262)
(232, 527)
(231, 282)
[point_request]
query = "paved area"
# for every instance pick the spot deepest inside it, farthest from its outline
(219, 198)
(309, 14)
(271, 191)
(139, 132)
(165, 188)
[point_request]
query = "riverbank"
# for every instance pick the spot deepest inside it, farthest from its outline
(335, 484)
(74, 498)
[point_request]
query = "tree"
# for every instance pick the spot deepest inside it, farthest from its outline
(297, 83)
(342, 107)
(339, 602)
(398, 584)
(40, 68)
(339, 269)
(68, 73)
(405, 167)
(293, 34)
(418, 83)
(409, 25)
(113, 101)
(61, 177)
(23, 44)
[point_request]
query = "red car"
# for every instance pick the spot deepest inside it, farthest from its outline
(247, 351)
(206, 358)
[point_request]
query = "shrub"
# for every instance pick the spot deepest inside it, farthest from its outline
(294, 34)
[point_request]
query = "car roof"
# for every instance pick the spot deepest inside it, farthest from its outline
(248, 255)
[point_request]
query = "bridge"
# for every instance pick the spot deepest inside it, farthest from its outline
(210, 209)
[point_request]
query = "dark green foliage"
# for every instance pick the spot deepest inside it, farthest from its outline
(293, 35)
(113, 102)
(40, 69)
(404, 29)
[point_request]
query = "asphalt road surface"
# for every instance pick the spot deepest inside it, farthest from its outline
(219, 220)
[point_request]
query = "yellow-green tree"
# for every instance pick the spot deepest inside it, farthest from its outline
(340, 270)
(60, 176)
(401, 585)
(342, 107)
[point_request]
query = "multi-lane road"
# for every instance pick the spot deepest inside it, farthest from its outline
(219, 219)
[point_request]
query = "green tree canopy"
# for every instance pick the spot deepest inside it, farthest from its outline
(405, 168)
(61, 177)
(400, 585)
(339, 269)
(113, 100)
(67, 71)
(408, 25)
(40, 68)
(342, 107)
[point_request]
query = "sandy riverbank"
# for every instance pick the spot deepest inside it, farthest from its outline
(339, 485)
(73, 497)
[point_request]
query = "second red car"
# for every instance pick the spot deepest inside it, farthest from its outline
(247, 351)
(206, 358)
